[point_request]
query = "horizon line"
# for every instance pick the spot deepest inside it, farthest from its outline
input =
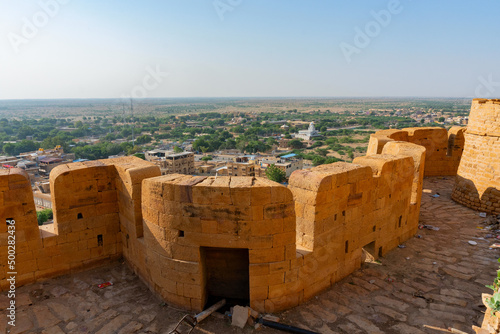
(242, 97)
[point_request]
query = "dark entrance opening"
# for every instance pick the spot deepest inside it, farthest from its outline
(227, 275)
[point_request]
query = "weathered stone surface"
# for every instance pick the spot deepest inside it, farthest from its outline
(114, 325)
(478, 184)
(406, 329)
(364, 324)
(131, 327)
(62, 312)
(44, 317)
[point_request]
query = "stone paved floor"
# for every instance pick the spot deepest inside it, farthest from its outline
(436, 280)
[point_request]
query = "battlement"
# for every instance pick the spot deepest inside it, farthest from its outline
(481, 101)
(478, 178)
(484, 119)
(443, 148)
(91, 200)
(195, 238)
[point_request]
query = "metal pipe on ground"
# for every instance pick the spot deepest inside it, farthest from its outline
(285, 328)
(191, 321)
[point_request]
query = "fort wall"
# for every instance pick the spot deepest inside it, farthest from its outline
(91, 200)
(478, 179)
(175, 231)
(443, 148)
(300, 239)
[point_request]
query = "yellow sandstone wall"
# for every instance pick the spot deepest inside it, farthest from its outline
(478, 179)
(443, 148)
(227, 212)
(91, 201)
(299, 239)
(16, 201)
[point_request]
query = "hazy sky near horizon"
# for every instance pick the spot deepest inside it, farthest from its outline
(227, 48)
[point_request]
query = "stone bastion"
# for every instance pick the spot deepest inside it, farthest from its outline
(196, 239)
(477, 183)
(443, 148)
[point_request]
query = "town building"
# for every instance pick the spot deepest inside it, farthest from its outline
(287, 163)
(241, 166)
(46, 164)
(42, 201)
(308, 134)
(204, 168)
(171, 162)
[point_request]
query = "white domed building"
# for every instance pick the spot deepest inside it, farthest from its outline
(308, 134)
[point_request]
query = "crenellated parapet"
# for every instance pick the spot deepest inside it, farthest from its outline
(295, 241)
(16, 202)
(193, 239)
(443, 148)
(92, 203)
(187, 217)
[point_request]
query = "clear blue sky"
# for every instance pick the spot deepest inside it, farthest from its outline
(101, 49)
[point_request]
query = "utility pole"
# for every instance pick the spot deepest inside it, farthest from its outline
(123, 114)
(132, 113)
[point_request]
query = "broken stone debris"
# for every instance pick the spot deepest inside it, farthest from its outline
(269, 317)
(240, 316)
(429, 227)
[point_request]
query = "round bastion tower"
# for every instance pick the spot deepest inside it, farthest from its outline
(478, 178)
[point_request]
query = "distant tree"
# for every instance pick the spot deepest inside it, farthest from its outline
(177, 149)
(331, 160)
(318, 160)
(140, 155)
(143, 139)
(24, 131)
(44, 215)
(275, 174)
(271, 141)
(9, 148)
(206, 158)
(238, 129)
(317, 144)
(441, 119)
(322, 151)
(296, 143)
(110, 137)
